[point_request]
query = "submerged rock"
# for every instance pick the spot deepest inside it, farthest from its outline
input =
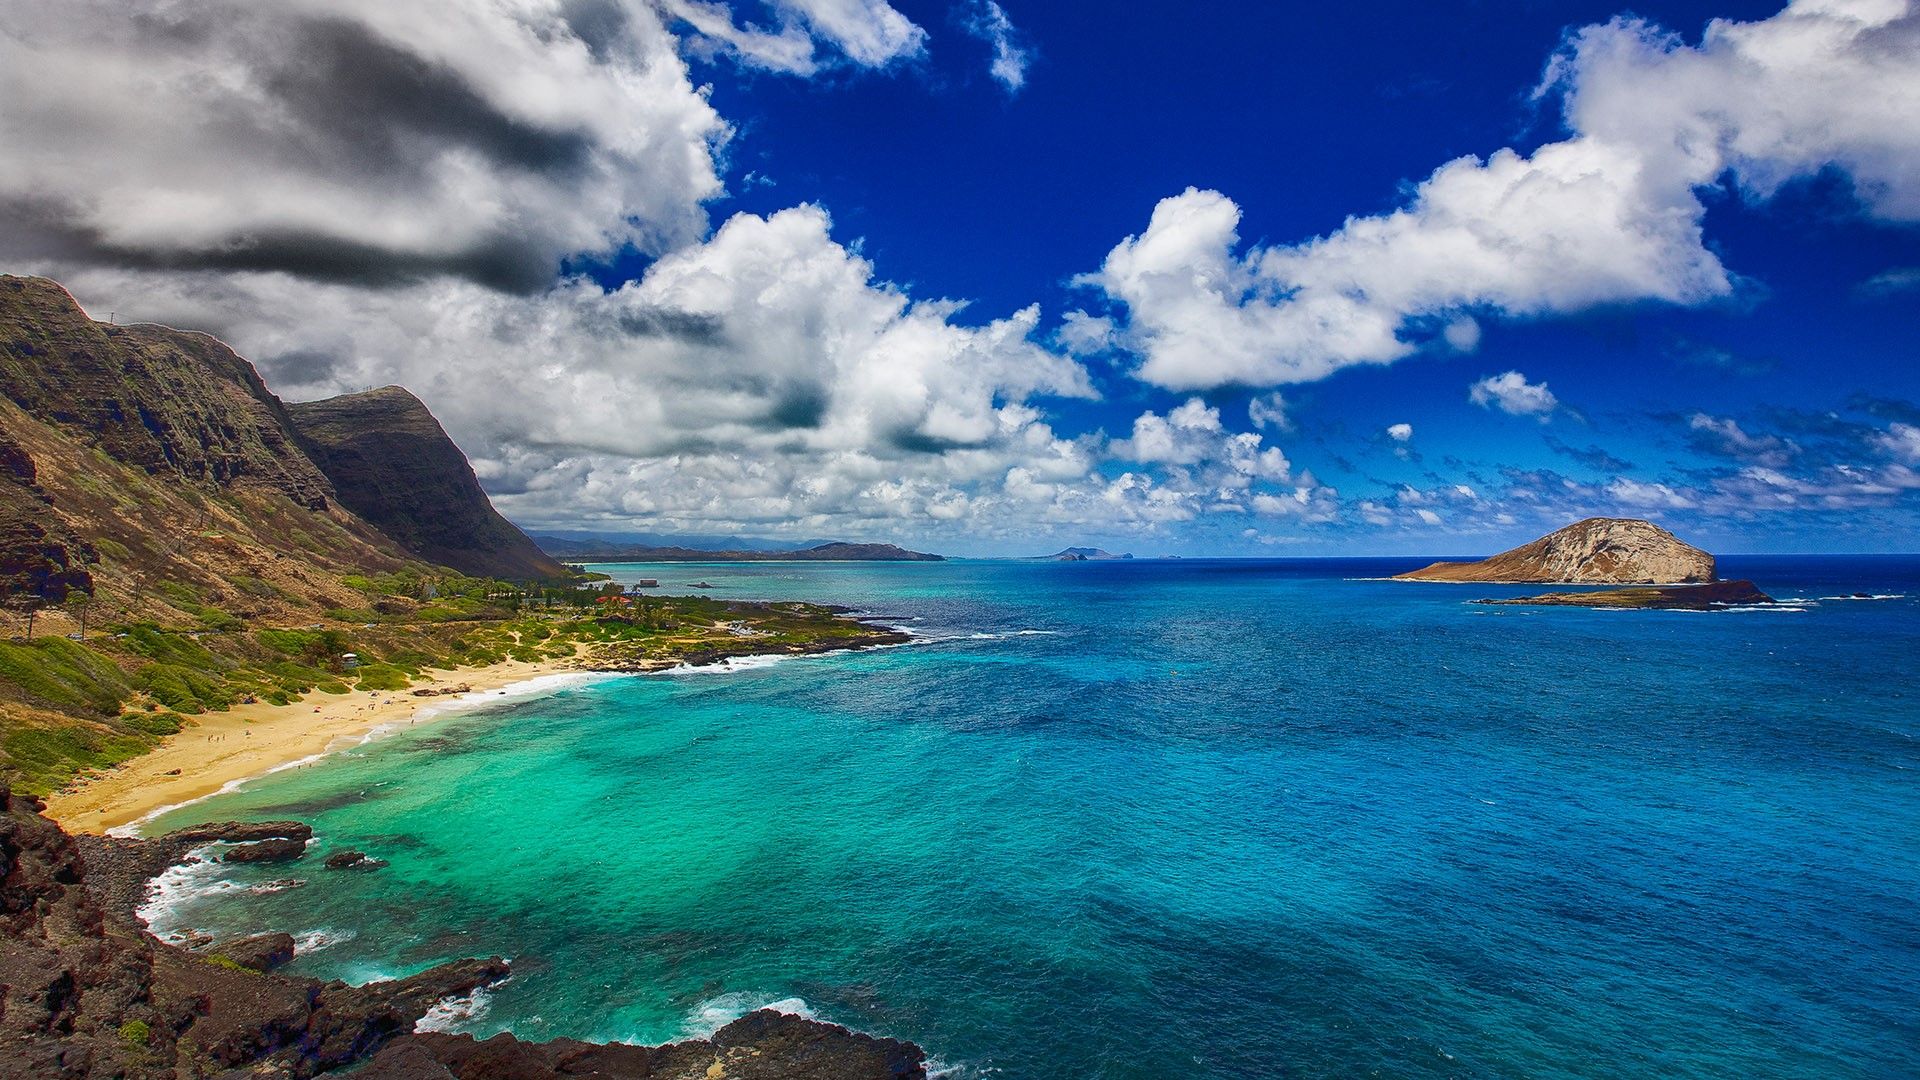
(764, 1045)
(236, 832)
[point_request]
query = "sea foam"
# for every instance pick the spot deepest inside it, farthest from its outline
(715, 1013)
(450, 1014)
(193, 878)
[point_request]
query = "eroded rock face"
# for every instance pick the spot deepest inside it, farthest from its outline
(1597, 551)
(393, 464)
(163, 400)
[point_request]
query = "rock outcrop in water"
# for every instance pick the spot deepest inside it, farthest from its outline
(1597, 551)
(1709, 597)
(763, 1045)
(393, 464)
(87, 994)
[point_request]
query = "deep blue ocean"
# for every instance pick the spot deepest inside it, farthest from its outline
(1176, 819)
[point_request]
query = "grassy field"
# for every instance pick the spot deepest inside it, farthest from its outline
(70, 707)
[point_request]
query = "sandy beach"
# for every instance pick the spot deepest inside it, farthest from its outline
(249, 740)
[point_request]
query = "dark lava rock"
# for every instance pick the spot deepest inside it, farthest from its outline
(276, 850)
(237, 832)
(89, 995)
(1715, 595)
(768, 1045)
(262, 952)
(764, 1045)
(353, 860)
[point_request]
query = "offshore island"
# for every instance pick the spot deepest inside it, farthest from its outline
(1667, 573)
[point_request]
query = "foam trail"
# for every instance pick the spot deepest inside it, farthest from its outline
(312, 941)
(733, 665)
(194, 877)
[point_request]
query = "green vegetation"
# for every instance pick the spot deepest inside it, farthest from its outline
(89, 706)
(229, 965)
(41, 759)
(383, 677)
(135, 1033)
(65, 675)
(187, 599)
(184, 688)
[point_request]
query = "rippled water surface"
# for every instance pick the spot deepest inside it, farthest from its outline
(1177, 819)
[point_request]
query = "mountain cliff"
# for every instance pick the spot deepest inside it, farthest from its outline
(152, 485)
(133, 455)
(150, 468)
(161, 400)
(1599, 551)
(392, 463)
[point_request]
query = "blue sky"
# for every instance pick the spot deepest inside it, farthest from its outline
(1227, 278)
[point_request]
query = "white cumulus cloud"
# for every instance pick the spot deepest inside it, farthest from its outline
(1610, 214)
(1510, 392)
(1900, 442)
(763, 376)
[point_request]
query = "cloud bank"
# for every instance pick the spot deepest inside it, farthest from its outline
(350, 140)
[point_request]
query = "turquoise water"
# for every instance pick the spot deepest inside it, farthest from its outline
(1179, 819)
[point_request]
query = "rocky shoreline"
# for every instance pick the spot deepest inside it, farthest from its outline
(1713, 596)
(613, 658)
(86, 992)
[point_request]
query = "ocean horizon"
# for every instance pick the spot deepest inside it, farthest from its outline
(1170, 818)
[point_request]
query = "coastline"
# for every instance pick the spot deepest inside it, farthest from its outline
(223, 749)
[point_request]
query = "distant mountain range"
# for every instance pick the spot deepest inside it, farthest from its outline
(568, 543)
(833, 551)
